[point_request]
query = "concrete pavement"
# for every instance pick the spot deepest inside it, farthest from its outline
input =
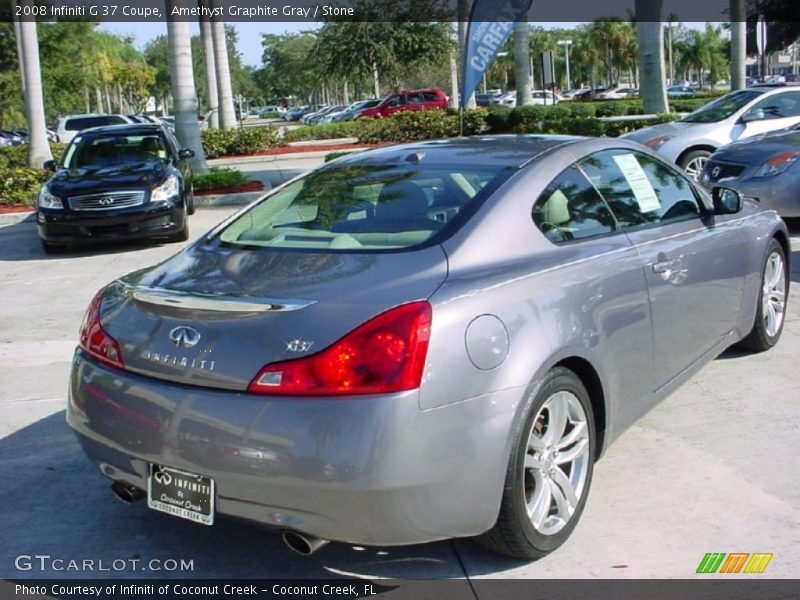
(715, 468)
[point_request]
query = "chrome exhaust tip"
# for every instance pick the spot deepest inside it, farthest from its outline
(126, 492)
(302, 544)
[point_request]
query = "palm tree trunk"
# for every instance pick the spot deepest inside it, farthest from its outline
(210, 64)
(738, 44)
(38, 148)
(187, 126)
(650, 35)
(522, 62)
(227, 114)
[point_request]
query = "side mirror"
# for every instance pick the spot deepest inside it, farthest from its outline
(726, 201)
(50, 165)
(186, 153)
(757, 114)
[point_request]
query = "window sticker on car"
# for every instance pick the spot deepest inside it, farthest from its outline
(640, 185)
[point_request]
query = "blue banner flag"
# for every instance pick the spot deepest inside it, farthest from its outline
(490, 24)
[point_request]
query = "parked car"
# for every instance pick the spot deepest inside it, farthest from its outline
(736, 116)
(486, 98)
(681, 91)
(765, 167)
(69, 126)
(117, 182)
(321, 110)
(354, 110)
(617, 93)
(10, 138)
(294, 114)
(425, 99)
(332, 360)
(320, 116)
(538, 97)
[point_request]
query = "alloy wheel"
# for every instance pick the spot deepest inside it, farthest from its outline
(773, 294)
(556, 463)
(695, 167)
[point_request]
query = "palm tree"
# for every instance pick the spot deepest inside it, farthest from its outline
(738, 44)
(38, 148)
(522, 73)
(184, 94)
(650, 36)
(227, 115)
(210, 64)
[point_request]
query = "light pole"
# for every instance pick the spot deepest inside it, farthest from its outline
(566, 44)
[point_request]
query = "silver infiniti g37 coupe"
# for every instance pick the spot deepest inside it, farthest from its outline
(423, 341)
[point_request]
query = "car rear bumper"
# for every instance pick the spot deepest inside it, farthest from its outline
(155, 220)
(369, 470)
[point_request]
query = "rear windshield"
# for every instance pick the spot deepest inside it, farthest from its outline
(722, 108)
(367, 207)
(81, 123)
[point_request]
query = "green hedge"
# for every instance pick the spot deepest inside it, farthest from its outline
(16, 157)
(217, 178)
(325, 131)
(21, 185)
(250, 140)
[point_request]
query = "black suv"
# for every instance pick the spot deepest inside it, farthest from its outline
(117, 182)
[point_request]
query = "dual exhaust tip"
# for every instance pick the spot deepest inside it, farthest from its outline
(299, 543)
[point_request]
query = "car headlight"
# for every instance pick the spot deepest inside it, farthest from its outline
(166, 191)
(47, 200)
(778, 164)
(657, 142)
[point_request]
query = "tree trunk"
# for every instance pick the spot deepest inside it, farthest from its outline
(522, 63)
(38, 147)
(345, 94)
(738, 44)
(650, 36)
(376, 80)
(453, 79)
(227, 114)
(210, 64)
(187, 126)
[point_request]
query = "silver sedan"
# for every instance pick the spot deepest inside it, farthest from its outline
(422, 341)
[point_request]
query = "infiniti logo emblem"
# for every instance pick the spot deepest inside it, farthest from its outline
(185, 336)
(106, 201)
(162, 477)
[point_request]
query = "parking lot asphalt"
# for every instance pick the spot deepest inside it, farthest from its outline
(714, 468)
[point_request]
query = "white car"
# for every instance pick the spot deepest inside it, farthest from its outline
(617, 93)
(735, 116)
(538, 97)
(71, 125)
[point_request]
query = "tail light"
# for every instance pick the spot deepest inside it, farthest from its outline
(93, 338)
(385, 354)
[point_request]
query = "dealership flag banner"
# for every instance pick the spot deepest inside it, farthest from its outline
(490, 24)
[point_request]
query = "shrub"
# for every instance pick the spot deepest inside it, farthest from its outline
(20, 185)
(16, 157)
(613, 108)
(497, 118)
(421, 125)
(617, 128)
(221, 142)
(582, 109)
(325, 131)
(219, 177)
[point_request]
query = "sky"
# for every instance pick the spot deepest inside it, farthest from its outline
(250, 33)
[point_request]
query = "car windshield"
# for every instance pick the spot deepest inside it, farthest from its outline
(722, 108)
(107, 150)
(366, 207)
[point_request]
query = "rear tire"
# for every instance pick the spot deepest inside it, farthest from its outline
(549, 472)
(190, 202)
(771, 308)
(182, 235)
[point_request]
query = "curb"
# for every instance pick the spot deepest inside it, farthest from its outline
(242, 160)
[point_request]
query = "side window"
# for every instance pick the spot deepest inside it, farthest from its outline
(780, 106)
(640, 189)
(394, 101)
(571, 209)
(430, 96)
(414, 99)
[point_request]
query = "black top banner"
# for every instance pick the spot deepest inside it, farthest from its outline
(312, 11)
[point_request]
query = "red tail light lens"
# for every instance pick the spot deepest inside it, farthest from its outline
(93, 338)
(385, 354)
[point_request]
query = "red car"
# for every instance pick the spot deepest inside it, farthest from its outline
(408, 100)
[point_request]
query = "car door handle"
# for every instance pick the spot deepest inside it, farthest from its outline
(664, 266)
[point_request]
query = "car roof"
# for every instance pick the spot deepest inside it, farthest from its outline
(498, 150)
(130, 129)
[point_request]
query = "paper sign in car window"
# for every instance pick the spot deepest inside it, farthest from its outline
(640, 185)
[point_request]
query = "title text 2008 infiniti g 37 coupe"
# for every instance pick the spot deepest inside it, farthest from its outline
(423, 341)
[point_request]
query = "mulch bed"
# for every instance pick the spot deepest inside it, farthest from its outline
(250, 186)
(14, 208)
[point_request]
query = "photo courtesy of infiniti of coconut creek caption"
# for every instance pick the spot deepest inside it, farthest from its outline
(422, 341)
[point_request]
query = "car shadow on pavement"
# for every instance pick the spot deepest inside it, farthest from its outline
(57, 503)
(20, 242)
